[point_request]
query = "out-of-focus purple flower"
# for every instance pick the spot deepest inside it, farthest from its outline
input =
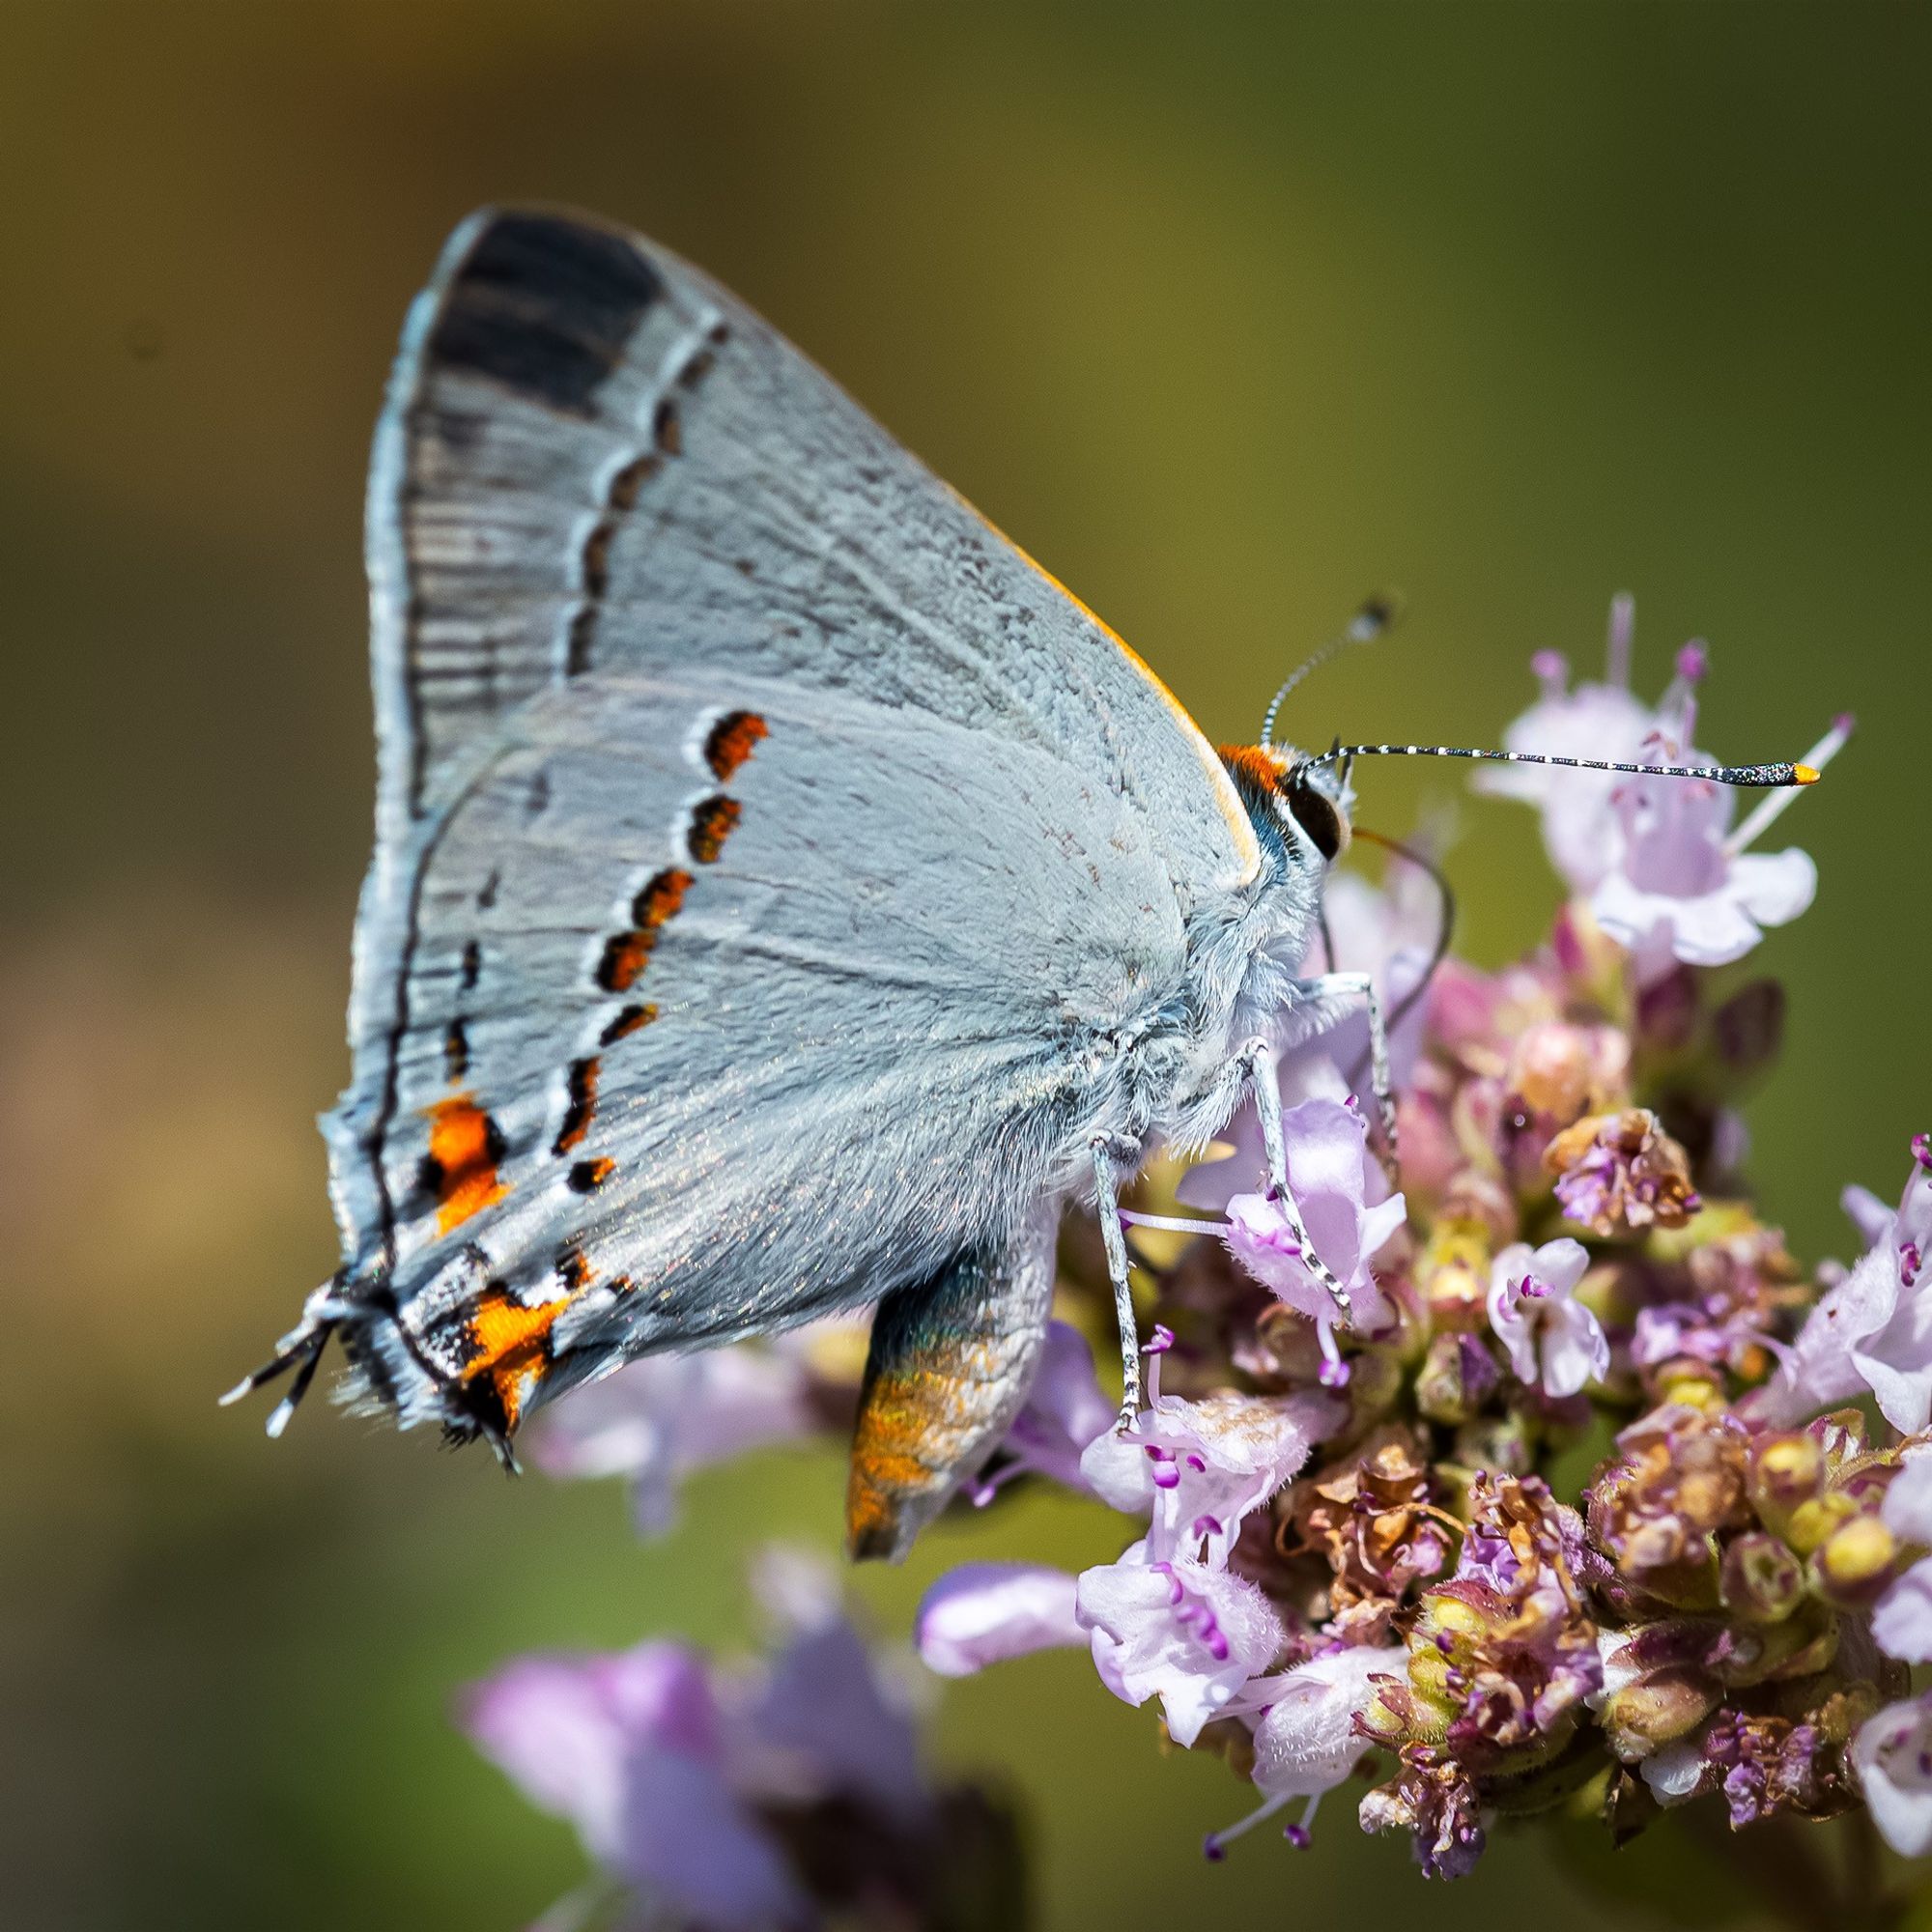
(1902, 1618)
(1199, 1467)
(1682, 889)
(983, 1613)
(821, 1717)
(1330, 1180)
(563, 1727)
(1389, 933)
(1178, 1630)
(1594, 721)
(1065, 1410)
(1554, 1342)
(667, 1766)
(631, 1750)
(1874, 1329)
(1893, 1755)
(1619, 1172)
(661, 1418)
(1740, 1281)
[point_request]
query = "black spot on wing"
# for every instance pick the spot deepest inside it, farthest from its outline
(546, 306)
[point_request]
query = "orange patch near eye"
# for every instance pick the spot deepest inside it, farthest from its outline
(732, 740)
(512, 1346)
(711, 824)
(1254, 764)
(465, 1146)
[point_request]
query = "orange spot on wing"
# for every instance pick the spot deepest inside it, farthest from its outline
(626, 1022)
(662, 899)
(511, 1345)
(712, 823)
(465, 1146)
(580, 1105)
(624, 958)
(732, 740)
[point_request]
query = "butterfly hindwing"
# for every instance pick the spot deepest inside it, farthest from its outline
(685, 1056)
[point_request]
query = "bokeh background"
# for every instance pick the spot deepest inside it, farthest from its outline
(1230, 315)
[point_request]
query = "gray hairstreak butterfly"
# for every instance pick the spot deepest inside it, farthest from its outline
(786, 895)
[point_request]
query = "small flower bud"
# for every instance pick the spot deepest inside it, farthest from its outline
(1458, 1375)
(1619, 1172)
(1642, 1716)
(1695, 1384)
(1855, 1562)
(1747, 1027)
(1760, 1579)
(1785, 1471)
(1813, 1520)
(1454, 1276)
(1564, 1070)
(1374, 1379)
(1498, 1443)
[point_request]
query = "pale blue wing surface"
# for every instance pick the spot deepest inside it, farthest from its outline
(611, 513)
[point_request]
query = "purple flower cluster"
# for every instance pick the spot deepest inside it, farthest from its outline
(1345, 1546)
(1354, 1552)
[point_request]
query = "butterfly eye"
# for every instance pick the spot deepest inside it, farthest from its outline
(1319, 816)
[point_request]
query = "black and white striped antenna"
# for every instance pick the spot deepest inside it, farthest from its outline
(1380, 611)
(1364, 628)
(1750, 777)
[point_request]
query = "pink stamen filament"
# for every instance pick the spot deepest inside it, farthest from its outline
(1617, 651)
(1334, 1371)
(1196, 1618)
(1215, 1847)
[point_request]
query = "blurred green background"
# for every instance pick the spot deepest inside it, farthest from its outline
(1230, 315)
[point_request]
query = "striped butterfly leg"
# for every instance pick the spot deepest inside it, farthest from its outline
(1352, 987)
(1257, 1057)
(951, 1361)
(1114, 1239)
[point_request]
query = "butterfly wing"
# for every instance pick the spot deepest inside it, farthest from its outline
(762, 841)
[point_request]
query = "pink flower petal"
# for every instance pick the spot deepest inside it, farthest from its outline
(983, 1613)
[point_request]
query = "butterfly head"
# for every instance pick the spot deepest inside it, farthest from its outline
(1299, 808)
